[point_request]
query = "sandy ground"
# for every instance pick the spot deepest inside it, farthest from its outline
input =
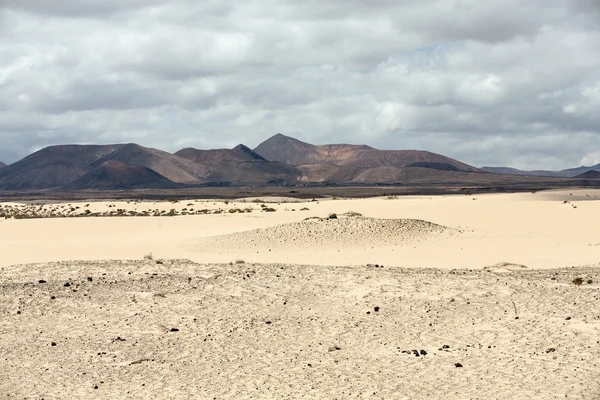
(485, 282)
(138, 329)
(538, 230)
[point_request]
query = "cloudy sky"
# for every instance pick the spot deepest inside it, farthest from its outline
(495, 82)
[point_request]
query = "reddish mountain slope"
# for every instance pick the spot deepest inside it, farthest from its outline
(241, 165)
(56, 166)
(292, 151)
(171, 166)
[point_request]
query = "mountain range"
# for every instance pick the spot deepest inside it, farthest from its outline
(280, 160)
(565, 173)
(2, 165)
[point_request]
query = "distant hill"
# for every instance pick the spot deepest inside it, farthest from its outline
(280, 160)
(171, 166)
(295, 152)
(238, 153)
(52, 166)
(2, 165)
(56, 166)
(591, 174)
(117, 175)
(401, 175)
(241, 165)
(565, 173)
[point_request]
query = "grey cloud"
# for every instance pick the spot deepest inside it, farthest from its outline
(498, 82)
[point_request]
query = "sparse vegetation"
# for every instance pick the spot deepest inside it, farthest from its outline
(269, 209)
(149, 257)
(578, 281)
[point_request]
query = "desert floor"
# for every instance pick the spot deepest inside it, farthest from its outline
(289, 303)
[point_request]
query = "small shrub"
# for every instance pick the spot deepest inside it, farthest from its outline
(269, 209)
(240, 261)
(578, 281)
(589, 282)
(149, 256)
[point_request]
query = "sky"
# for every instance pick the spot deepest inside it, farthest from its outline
(496, 82)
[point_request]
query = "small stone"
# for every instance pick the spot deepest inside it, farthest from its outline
(568, 318)
(416, 353)
(67, 284)
(551, 350)
(268, 322)
(52, 297)
(41, 281)
(334, 348)
(458, 365)
(18, 312)
(445, 346)
(159, 262)
(53, 344)
(376, 309)
(89, 278)
(332, 216)
(95, 386)
(174, 330)
(423, 352)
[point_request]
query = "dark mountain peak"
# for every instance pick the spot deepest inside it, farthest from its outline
(239, 153)
(2, 165)
(591, 174)
(117, 175)
(247, 152)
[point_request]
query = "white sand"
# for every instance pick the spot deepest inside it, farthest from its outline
(537, 230)
(498, 298)
(291, 331)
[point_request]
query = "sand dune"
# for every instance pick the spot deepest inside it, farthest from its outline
(350, 230)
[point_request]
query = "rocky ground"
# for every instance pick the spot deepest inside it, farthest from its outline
(177, 329)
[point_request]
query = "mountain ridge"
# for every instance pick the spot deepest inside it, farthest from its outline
(295, 152)
(280, 160)
(565, 173)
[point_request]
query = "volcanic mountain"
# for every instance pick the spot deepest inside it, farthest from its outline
(241, 165)
(117, 175)
(591, 174)
(172, 167)
(56, 166)
(295, 152)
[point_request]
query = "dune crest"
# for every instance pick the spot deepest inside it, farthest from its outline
(349, 230)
